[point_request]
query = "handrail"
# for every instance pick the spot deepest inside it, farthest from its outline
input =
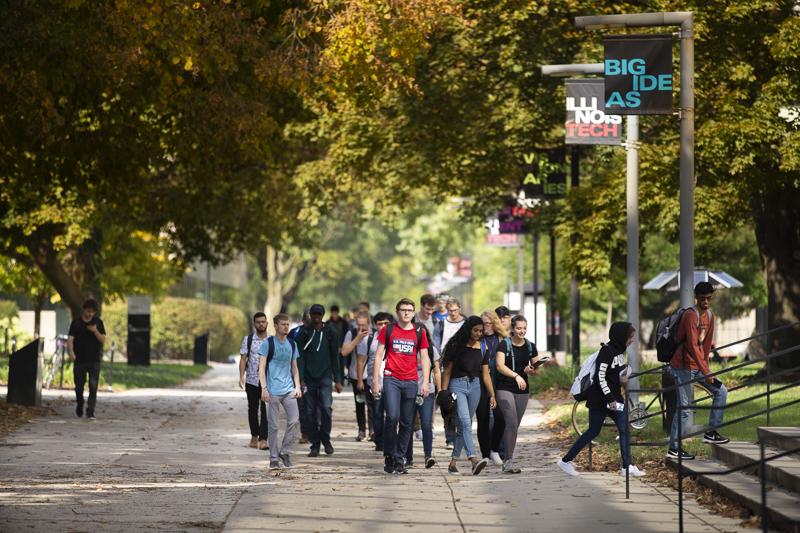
(769, 332)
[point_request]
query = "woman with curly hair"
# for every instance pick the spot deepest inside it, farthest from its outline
(490, 435)
(465, 365)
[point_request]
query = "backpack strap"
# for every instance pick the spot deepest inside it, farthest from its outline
(270, 349)
(510, 353)
(389, 328)
(249, 344)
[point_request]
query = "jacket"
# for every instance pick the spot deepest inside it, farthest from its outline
(606, 386)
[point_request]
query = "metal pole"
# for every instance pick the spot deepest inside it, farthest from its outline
(628, 445)
(552, 295)
(63, 353)
(535, 286)
(679, 414)
(208, 283)
(687, 162)
(763, 472)
(632, 194)
(111, 368)
(521, 274)
(575, 294)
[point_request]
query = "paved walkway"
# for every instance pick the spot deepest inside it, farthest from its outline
(176, 460)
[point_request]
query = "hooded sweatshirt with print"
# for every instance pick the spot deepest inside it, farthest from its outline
(611, 363)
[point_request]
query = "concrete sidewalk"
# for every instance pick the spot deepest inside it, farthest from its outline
(175, 459)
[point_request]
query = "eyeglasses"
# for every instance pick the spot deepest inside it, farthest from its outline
(405, 310)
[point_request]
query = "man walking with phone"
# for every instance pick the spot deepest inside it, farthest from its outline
(87, 334)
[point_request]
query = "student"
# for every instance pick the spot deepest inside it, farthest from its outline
(464, 365)
(404, 344)
(248, 380)
(87, 334)
(504, 315)
(440, 313)
(442, 332)
(515, 355)
(690, 361)
(353, 341)
(604, 399)
(490, 435)
(319, 371)
(381, 319)
(305, 423)
(280, 385)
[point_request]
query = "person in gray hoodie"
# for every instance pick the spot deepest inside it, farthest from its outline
(605, 399)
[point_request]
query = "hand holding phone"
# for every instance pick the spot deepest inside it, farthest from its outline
(539, 362)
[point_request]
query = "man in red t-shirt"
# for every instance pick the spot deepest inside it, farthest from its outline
(405, 346)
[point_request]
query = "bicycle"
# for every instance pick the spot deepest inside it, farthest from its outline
(56, 362)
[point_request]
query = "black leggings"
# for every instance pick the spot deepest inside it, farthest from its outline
(489, 438)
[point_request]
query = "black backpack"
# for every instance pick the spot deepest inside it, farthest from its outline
(666, 334)
(271, 347)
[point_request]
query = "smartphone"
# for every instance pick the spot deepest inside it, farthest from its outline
(539, 362)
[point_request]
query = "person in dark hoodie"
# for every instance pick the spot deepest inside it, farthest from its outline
(605, 399)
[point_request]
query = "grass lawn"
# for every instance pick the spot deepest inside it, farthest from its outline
(125, 377)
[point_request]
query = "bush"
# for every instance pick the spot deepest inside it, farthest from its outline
(175, 322)
(552, 377)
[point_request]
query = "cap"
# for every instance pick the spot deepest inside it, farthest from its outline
(316, 309)
(704, 287)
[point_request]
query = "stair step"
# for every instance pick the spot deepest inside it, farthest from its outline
(785, 438)
(783, 506)
(784, 471)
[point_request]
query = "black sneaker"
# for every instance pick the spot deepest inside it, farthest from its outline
(287, 461)
(328, 448)
(79, 410)
(90, 414)
(430, 462)
(685, 456)
(453, 469)
(409, 464)
(314, 452)
(480, 465)
(400, 468)
(388, 466)
(379, 447)
(712, 437)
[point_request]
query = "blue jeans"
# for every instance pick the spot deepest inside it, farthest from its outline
(596, 419)
(319, 409)
(398, 403)
(468, 394)
(377, 417)
(426, 421)
(719, 399)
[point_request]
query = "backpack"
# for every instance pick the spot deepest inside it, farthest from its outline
(582, 382)
(390, 327)
(510, 348)
(271, 347)
(249, 344)
(666, 333)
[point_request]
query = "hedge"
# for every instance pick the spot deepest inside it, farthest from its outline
(175, 322)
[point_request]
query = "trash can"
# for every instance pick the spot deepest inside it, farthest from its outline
(201, 349)
(25, 375)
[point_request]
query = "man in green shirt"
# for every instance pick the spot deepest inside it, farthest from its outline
(319, 370)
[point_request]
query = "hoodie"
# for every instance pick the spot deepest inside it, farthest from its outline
(611, 363)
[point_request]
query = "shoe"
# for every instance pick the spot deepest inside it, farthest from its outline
(418, 434)
(253, 442)
(287, 461)
(509, 468)
(371, 437)
(274, 464)
(494, 457)
(379, 447)
(633, 471)
(328, 448)
(712, 437)
(388, 466)
(409, 464)
(314, 452)
(448, 445)
(673, 454)
(79, 410)
(452, 468)
(480, 465)
(430, 462)
(400, 468)
(303, 440)
(90, 414)
(568, 467)
(263, 444)
(361, 436)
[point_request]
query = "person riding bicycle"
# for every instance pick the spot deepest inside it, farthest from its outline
(605, 399)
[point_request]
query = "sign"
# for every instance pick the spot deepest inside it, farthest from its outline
(586, 122)
(544, 173)
(138, 305)
(638, 74)
(502, 240)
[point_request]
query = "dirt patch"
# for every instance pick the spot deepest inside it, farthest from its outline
(13, 416)
(554, 395)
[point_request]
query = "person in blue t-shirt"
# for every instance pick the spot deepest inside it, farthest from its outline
(280, 386)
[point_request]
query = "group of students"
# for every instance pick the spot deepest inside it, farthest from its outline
(401, 367)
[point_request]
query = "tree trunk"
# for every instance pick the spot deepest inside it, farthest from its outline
(38, 303)
(46, 258)
(89, 259)
(777, 225)
(283, 275)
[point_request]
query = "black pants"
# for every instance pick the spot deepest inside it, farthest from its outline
(257, 429)
(489, 437)
(361, 414)
(79, 371)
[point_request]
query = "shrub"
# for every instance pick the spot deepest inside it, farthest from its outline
(175, 322)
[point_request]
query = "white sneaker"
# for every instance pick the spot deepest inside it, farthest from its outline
(633, 471)
(569, 467)
(494, 457)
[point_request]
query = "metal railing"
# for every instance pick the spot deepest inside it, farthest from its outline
(680, 408)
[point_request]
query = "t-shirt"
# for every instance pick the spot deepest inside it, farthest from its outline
(401, 354)
(449, 330)
(439, 316)
(361, 349)
(467, 362)
(370, 366)
(251, 368)
(520, 360)
(279, 371)
(87, 348)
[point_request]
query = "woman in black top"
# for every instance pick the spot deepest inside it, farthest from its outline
(465, 363)
(514, 364)
(491, 435)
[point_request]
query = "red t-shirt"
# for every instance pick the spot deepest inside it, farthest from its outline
(401, 355)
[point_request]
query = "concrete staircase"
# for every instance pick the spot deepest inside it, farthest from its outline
(744, 487)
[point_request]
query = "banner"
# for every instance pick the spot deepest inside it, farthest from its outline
(638, 74)
(544, 173)
(586, 122)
